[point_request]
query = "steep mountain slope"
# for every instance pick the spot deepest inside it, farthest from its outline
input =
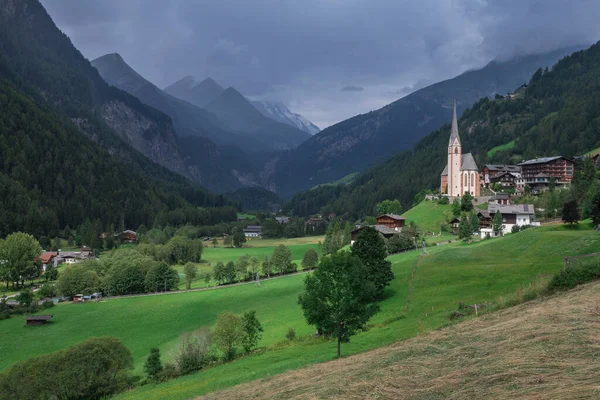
(41, 61)
(197, 129)
(280, 113)
(239, 115)
(363, 141)
(199, 94)
(557, 113)
(52, 176)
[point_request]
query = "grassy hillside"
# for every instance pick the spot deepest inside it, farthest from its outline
(540, 350)
(449, 274)
(428, 215)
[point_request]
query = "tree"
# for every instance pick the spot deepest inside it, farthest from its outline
(18, 251)
(266, 267)
(227, 241)
(400, 242)
(466, 202)
(77, 279)
(370, 248)
(153, 365)
(282, 259)
(252, 331)
(389, 207)
(25, 297)
(497, 225)
(215, 243)
(310, 259)
(219, 273)
(161, 278)
(253, 267)
(570, 212)
(241, 267)
(238, 237)
(229, 272)
(228, 333)
(190, 271)
(456, 208)
(56, 244)
(465, 232)
(336, 297)
(474, 222)
(207, 278)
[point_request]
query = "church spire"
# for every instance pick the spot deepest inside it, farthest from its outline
(454, 131)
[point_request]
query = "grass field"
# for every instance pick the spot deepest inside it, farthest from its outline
(502, 147)
(478, 272)
(545, 349)
(259, 248)
(428, 215)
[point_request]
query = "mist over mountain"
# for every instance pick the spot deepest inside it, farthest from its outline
(198, 93)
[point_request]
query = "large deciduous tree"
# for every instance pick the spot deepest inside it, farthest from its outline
(370, 247)
(18, 252)
(228, 333)
(310, 259)
(336, 297)
(191, 271)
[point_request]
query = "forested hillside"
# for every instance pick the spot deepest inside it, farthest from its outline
(557, 113)
(41, 61)
(52, 176)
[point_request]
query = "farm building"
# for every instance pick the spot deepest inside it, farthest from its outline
(393, 221)
(252, 231)
(36, 320)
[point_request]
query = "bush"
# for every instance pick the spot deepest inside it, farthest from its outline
(515, 229)
(168, 372)
(193, 352)
(4, 315)
(93, 369)
(291, 334)
(572, 276)
(47, 304)
(443, 200)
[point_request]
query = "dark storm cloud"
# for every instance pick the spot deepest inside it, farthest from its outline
(352, 88)
(303, 51)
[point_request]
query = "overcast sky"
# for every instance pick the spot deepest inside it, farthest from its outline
(326, 59)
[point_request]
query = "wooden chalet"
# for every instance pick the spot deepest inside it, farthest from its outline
(36, 320)
(393, 221)
(455, 224)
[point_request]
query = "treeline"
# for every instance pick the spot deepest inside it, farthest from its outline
(52, 176)
(557, 113)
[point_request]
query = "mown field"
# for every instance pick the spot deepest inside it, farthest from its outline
(259, 248)
(449, 274)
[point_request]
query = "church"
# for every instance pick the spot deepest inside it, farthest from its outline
(461, 174)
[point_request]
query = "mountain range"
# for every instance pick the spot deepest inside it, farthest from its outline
(556, 113)
(361, 142)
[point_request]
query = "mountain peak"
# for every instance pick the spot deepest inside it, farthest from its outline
(199, 94)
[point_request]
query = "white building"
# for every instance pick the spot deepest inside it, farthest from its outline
(516, 214)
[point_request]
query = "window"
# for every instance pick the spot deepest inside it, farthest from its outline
(456, 150)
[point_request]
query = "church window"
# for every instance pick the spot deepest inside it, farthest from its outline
(472, 179)
(456, 150)
(465, 179)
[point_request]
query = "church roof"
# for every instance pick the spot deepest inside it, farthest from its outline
(468, 163)
(454, 130)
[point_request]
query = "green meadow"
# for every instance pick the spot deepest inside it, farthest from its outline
(478, 272)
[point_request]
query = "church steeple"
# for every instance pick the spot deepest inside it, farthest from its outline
(454, 138)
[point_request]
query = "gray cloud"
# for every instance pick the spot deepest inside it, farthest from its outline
(303, 51)
(352, 88)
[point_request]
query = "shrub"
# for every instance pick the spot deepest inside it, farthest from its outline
(4, 315)
(291, 334)
(570, 277)
(515, 229)
(443, 200)
(193, 352)
(93, 369)
(47, 304)
(47, 291)
(168, 372)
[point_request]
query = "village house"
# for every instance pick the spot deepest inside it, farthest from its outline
(73, 257)
(253, 231)
(537, 173)
(460, 175)
(47, 258)
(128, 236)
(517, 214)
(500, 198)
(387, 224)
(282, 219)
(492, 173)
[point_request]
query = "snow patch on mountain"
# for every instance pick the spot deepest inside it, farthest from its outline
(280, 113)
